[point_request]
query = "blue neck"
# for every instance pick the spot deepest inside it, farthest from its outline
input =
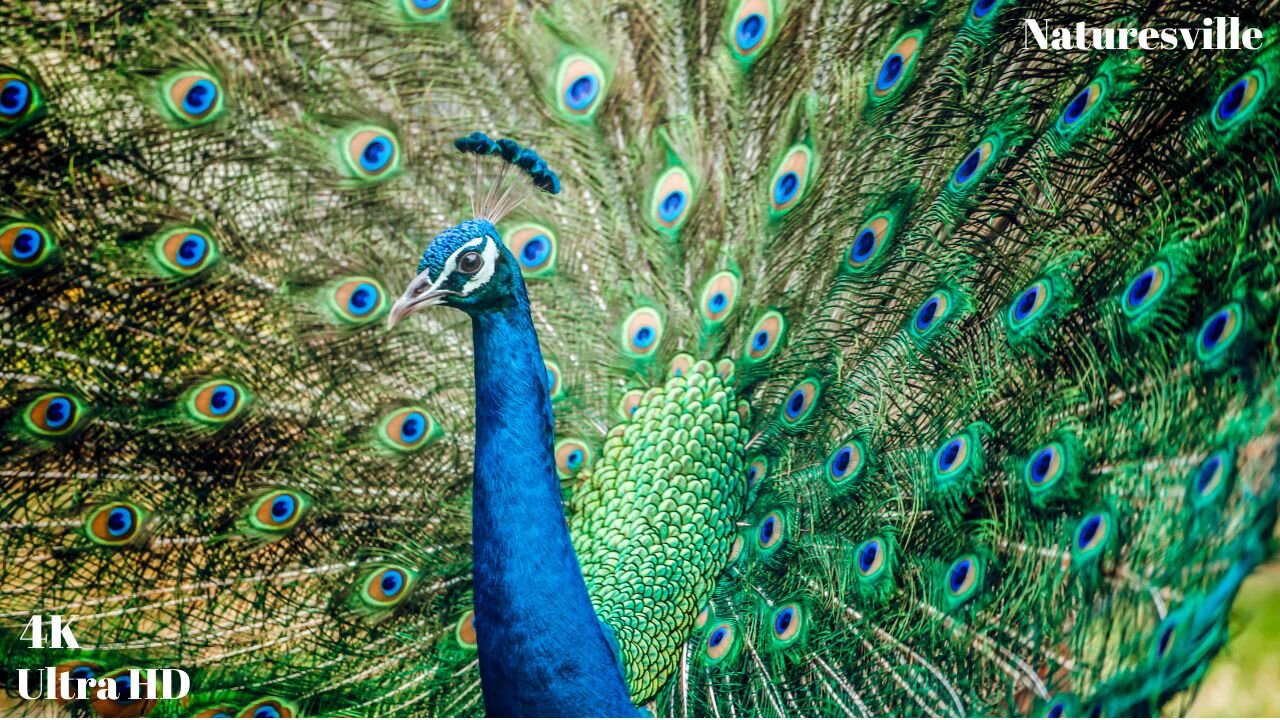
(543, 652)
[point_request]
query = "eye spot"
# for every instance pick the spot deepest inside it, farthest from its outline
(216, 402)
(193, 98)
(1146, 289)
(982, 8)
(1219, 332)
(1239, 100)
(932, 312)
(465, 630)
(371, 153)
(766, 336)
(896, 66)
(54, 415)
(581, 84)
(425, 10)
(1030, 305)
(114, 524)
(357, 301)
(719, 296)
(800, 402)
(964, 579)
(791, 178)
(771, 531)
(278, 511)
(386, 586)
(572, 457)
(408, 429)
(24, 246)
(974, 164)
(954, 457)
(15, 96)
(720, 641)
(788, 620)
(641, 332)
(1091, 536)
(845, 464)
(672, 196)
(871, 558)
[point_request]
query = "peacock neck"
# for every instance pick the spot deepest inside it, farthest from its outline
(543, 652)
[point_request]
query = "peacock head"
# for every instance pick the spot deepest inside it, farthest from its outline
(465, 267)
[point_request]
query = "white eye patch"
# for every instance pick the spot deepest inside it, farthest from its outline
(489, 252)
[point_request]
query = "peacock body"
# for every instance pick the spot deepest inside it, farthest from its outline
(858, 359)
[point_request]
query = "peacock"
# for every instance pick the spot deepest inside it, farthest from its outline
(689, 358)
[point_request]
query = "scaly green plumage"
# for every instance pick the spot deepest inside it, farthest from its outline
(218, 459)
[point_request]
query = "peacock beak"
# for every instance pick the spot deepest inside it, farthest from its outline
(421, 293)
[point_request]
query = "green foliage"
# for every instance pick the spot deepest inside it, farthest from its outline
(217, 457)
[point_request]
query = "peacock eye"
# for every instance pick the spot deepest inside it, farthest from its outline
(469, 263)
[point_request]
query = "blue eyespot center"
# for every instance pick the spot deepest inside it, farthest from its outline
(750, 31)
(14, 97)
(717, 637)
(1232, 100)
(200, 97)
(751, 475)
(376, 154)
(1208, 472)
(760, 341)
(222, 400)
(535, 250)
(574, 459)
(124, 687)
(27, 244)
(795, 404)
(413, 427)
(766, 529)
(842, 461)
(283, 508)
(644, 337)
(1214, 330)
(1075, 109)
(717, 302)
(1141, 287)
(58, 413)
(119, 522)
(967, 168)
(582, 92)
(425, 4)
(1041, 465)
(786, 188)
(947, 459)
(927, 313)
(1058, 710)
(982, 7)
(363, 299)
(1088, 531)
(1026, 303)
(867, 558)
(863, 246)
(192, 250)
(672, 205)
(392, 581)
(783, 621)
(890, 71)
(266, 711)
(82, 672)
(959, 574)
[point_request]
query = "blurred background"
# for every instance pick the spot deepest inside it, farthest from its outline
(1244, 681)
